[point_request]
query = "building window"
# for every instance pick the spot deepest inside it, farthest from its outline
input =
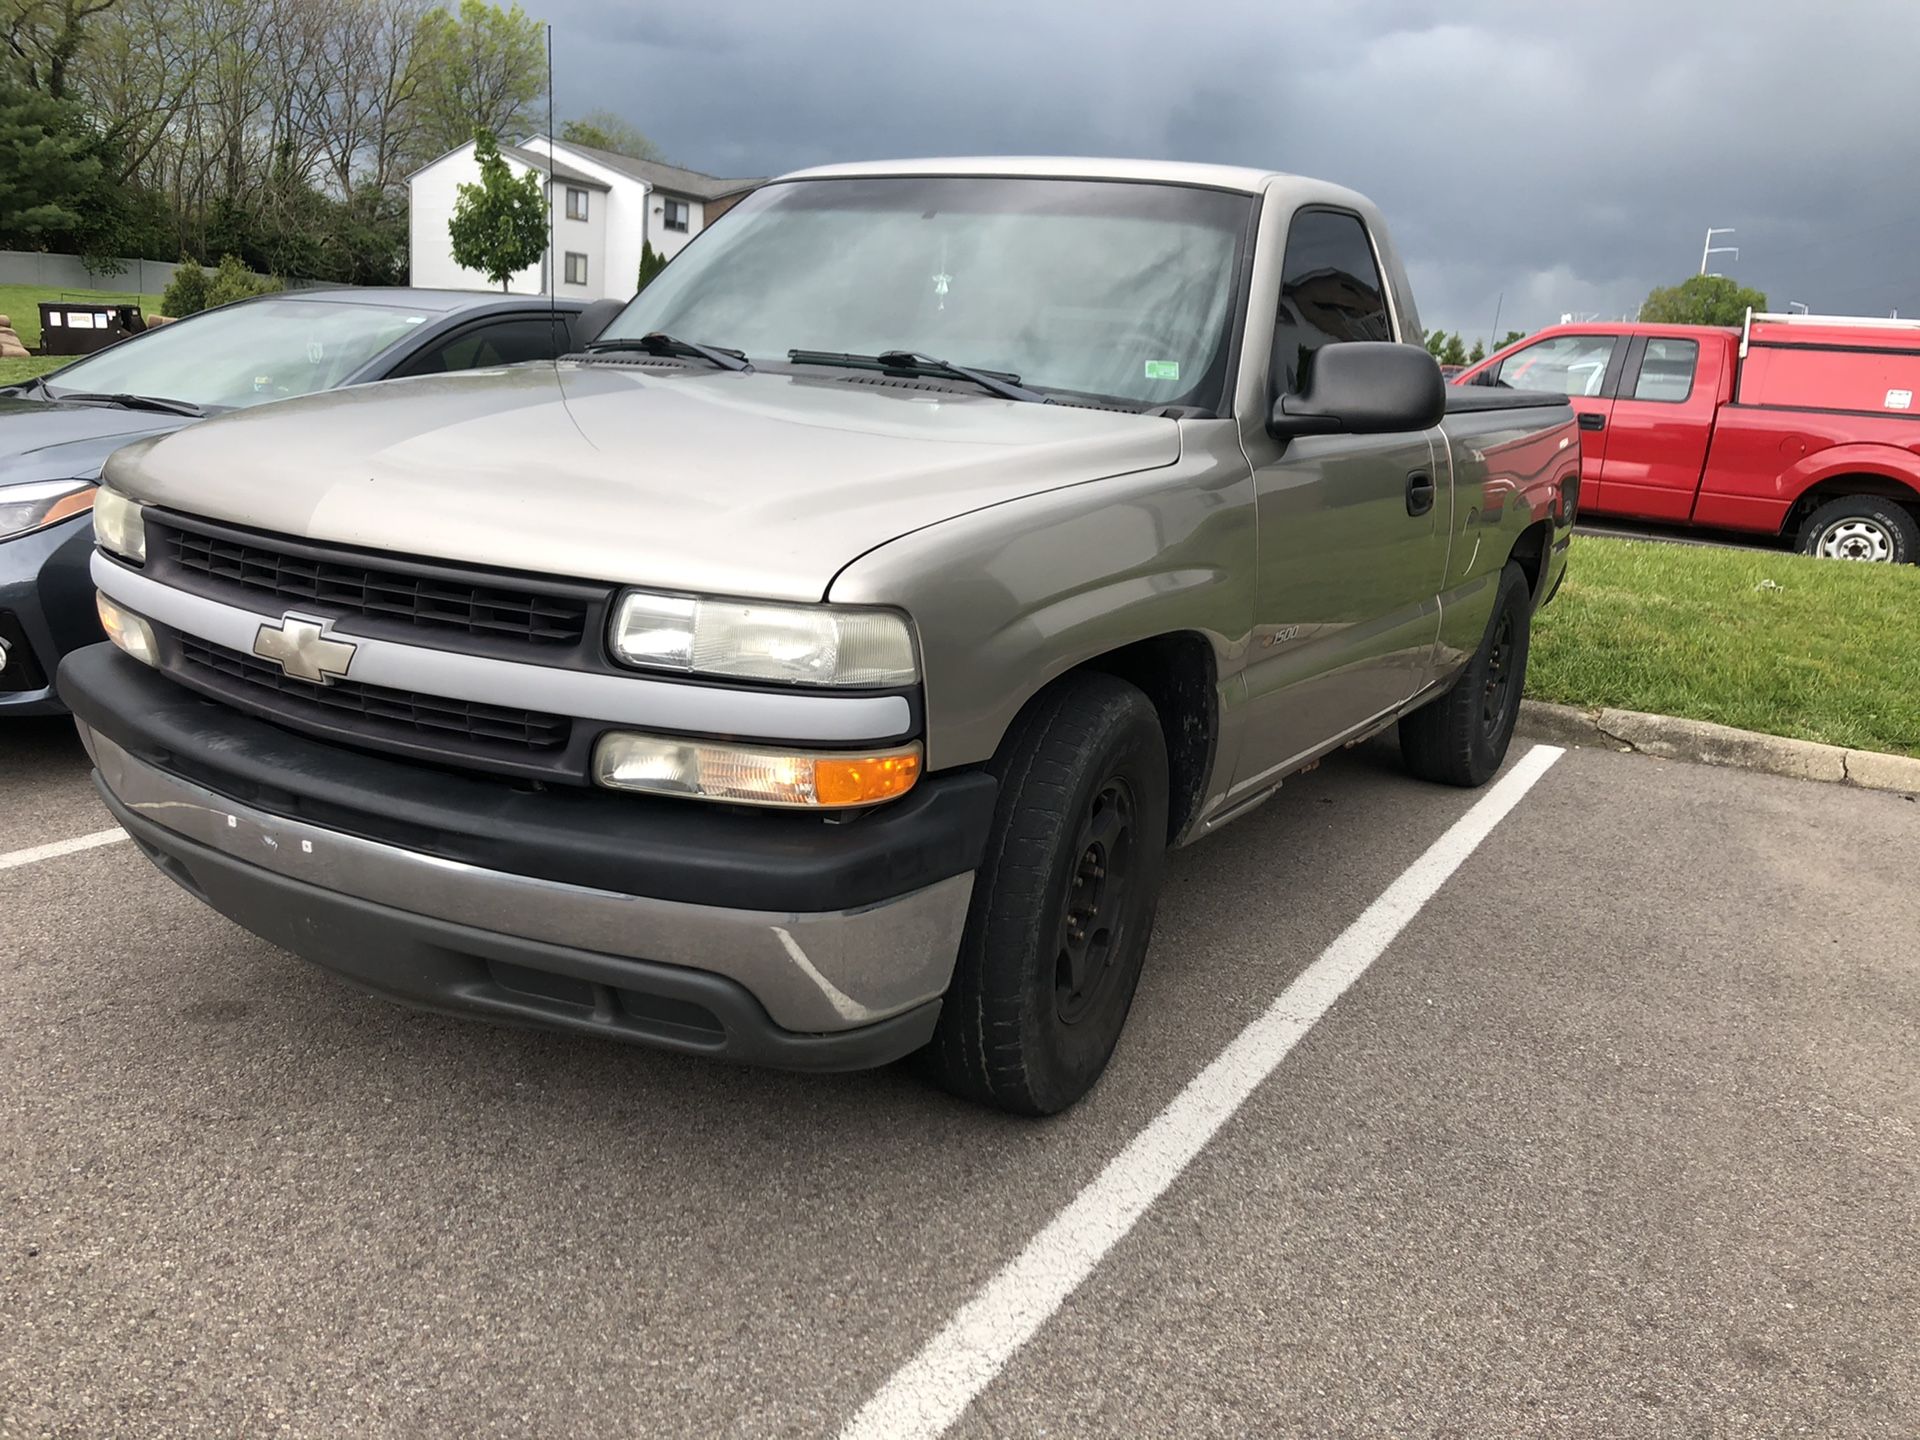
(677, 213)
(576, 268)
(576, 204)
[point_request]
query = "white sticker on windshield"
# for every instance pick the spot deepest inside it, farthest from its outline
(1899, 399)
(1163, 369)
(416, 319)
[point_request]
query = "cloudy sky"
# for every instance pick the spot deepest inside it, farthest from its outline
(1566, 157)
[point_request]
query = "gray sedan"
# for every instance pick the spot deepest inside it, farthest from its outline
(57, 431)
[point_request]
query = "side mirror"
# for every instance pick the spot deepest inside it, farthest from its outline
(1364, 387)
(594, 318)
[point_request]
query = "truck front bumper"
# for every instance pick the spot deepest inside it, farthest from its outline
(774, 939)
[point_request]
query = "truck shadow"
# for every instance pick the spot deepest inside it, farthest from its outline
(39, 746)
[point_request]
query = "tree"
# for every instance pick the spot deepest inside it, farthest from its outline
(604, 130)
(1478, 353)
(57, 183)
(1435, 341)
(1512, 337)
(652, 262)
(1454, 352)
(499, 226)
(1701, 300)
(44, 38)
(47, 168)
(482, 69)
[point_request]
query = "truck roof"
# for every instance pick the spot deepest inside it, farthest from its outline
(1628, 327)
(1167, 172)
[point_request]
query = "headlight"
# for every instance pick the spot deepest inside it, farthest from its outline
(42, 503)
(127, 630)
(752, 776)
(118, 527)
(797, 644)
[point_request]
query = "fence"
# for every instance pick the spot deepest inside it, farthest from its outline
(69, 272)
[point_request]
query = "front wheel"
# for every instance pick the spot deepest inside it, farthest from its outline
(1063, 903)
(1462, 738)
(1862, 527)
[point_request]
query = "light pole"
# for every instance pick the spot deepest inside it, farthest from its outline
(1712, 249)
(1795, 307)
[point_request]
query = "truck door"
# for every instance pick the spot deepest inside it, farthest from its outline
(1661, 425)
(1585, 369)
(1353, 530)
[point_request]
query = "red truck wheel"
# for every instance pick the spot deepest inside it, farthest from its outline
(1862, 527)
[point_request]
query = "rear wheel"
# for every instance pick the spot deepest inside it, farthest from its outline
(1063, 904)
(1462, 738)
(1862, 527)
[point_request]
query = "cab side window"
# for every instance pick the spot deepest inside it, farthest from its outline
(1666, 371)
(501, 342)
(1565, 365)
(1330, 291)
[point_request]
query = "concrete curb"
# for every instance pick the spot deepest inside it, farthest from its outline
(1701, 743)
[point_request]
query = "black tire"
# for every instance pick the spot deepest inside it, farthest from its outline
(1462, 738)
(1862, 527)
(1063, 904)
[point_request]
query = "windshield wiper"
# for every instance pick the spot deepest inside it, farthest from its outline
(130, 402)
(659, 344)
(908, 362)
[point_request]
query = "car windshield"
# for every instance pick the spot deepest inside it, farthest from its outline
(243, 354)
(1109, 290)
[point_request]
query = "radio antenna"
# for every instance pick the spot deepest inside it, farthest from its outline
(553, 251)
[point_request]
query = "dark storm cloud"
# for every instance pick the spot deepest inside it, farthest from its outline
(1568, 156)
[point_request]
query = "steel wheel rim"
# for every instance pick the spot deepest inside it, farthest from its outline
(1858, 537)
(1499, 686)
(1091, 922)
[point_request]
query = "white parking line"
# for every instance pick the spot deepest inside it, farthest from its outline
(15, 858)
(930, 1392)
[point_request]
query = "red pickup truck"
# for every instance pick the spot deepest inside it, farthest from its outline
(1800, 426)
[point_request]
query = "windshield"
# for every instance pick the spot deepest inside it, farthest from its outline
(243, 354)
(1104, 289)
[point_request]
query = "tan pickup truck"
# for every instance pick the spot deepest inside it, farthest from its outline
(817, 670)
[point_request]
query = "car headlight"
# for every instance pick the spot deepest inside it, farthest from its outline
(795, 644)
(42, 503)
(118, 527)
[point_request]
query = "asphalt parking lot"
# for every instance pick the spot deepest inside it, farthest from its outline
(1616, 1137)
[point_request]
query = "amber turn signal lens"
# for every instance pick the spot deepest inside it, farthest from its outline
(863, 781)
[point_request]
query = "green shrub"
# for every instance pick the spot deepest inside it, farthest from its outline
(186, 293)
(652, 262)
(233, 281)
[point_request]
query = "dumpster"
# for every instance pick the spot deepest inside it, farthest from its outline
(74, 327)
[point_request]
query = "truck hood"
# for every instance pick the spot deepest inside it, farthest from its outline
(46, 440)
(758, 484)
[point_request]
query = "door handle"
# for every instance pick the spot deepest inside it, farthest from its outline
(1419, 493)
(1592, 420)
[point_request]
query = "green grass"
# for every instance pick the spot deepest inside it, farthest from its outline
(21, 303)
(1827, 651)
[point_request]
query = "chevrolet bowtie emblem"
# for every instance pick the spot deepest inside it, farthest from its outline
(303, 649)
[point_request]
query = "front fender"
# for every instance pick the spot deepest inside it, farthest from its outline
(1006, 599)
